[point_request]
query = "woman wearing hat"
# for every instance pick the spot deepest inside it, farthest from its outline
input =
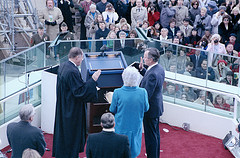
(217, 19)
(221, 70)
(225, 28)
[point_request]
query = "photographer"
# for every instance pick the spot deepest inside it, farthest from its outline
(110, 16)
(202, 22)
(217, 19)
(167, 13)
(153, 15)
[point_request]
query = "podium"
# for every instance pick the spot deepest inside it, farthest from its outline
(112, 65)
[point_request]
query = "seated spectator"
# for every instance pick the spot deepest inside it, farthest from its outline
(229, 79)
(172, 28)
(197, 59)
(107, 143)
(22, 135)
(168, 58)
(202, 22)
(229, 48)
(129, 104)
(181, 60)
(207, 35)
(152, 33)
(225, 28)
(138, 14)
(205, 71)
(202, 98)
(235, 14)
(215, 48)
(171, 90)
(203, 44)
(117, 29)
(164, 35)
(191, 95)
(101, 33)
(158, 27)
(183, 40)
(30, 153)
(220, 103)
(123, 42)
(101, 6)
(221, 70)
(132, 34)
(153, 15)
(181, 12)
(125, 28)
(194, 38)
(121, 22)
(232, 40)
(186, 28)
(109, 15)
(112, 27)
(39, 37)
(217, 19)
(212, 8)
(167, 13)
(184, 96)
(195, 10)
(188, 70)
(110, 43)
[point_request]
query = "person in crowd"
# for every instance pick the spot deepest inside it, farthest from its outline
(215, 47)
(101, 6)
(132, 34)
(39, 37)
(64, 6)
(207, 36)
(212, 8)
(184, 96)
(181, 60)
(147, 3)
(230, 51)
(123, 42)
(101, 34)
(220, 103)
(171, 90)
(172, 28)
(217, 19)
(205, 71)
(181, 13)
(112, 27)
(232, 40)
(131, 4)
(168, 58)
(30, 153)
(230, 5)
(138, 14)
(129, 103)
(225, 28)
(155, 74)
(191, 95)
(109, 15)
(152, 33)
(22, 135)
(202, 22)
(235, 14)
(124, 27)
(203, 43)
(110, 43)
(203, 3)
(188, 70)
(221, 70)
(120, 7)
(194, 38)
(197, 59)
(51, 16)
(72, 95)
(157, 27)
(186, 28)
(167, 14)
(182, 40)
(195, 10)
(229, 79)
(202, 99)
(107, 143)
(164, 35)
(173, 2)
(153, 15)
(123, 21)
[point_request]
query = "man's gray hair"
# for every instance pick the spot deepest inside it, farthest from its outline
(75, 51)
(107, 120)
(131, 77)
(26, 112)
(92, 6)
(153, 53)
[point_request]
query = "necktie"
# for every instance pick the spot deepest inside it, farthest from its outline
(197, 58)
(186, 31)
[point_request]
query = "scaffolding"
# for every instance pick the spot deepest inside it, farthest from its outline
(18, 19)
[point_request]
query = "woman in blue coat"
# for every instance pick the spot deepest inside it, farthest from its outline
(129, 104)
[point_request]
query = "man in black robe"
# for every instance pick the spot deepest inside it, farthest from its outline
(72, 95)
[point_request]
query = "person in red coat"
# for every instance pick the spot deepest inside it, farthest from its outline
(153, 15)
(220, 103)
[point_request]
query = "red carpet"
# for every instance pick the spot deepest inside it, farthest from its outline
(177, 143)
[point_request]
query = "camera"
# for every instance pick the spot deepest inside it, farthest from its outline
(222, 12)
(152, 8)
(166, 4)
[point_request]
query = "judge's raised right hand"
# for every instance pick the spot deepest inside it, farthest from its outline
(96, 75)
(141, 64)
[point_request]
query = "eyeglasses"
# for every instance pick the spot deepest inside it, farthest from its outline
(225, 20)
(195, 4)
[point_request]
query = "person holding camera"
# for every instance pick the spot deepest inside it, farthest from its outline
(138, 14)
(217, 19)
(110, 16)
(167, 13)
(202, 22)
(153, 15)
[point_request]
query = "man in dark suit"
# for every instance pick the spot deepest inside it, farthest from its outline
(153, 78)
(197, 59)
(39, 37)
(107, 143)
(123, 42)
(22, 135)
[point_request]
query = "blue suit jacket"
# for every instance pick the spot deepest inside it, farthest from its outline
(152, 81)
(23, 135)
(107, 144)
(193, 60)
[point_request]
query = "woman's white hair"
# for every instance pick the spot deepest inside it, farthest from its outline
(216, 36)
(131, 77)
(92, 6)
